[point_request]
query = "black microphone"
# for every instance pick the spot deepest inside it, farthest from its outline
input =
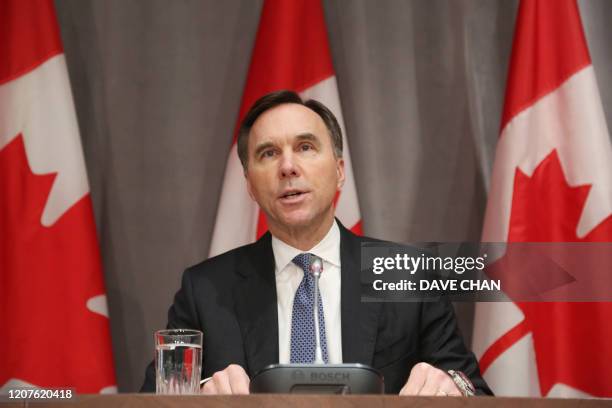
(316, 268)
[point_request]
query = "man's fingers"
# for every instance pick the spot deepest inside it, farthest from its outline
(221, 380)
(433, 382)
(437, 383)
(447, 385)
(238, 379)
(209, 388)
(232, 380)
(428, 380)
(455, 393)
(446, 392)
(416, 380)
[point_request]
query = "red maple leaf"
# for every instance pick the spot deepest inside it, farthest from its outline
(572, 341)
(47, 275)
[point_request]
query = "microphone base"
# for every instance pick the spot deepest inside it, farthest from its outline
(318, 379)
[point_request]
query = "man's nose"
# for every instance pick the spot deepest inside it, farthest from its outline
(288, 166)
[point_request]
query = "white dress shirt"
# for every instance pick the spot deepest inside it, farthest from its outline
(288, 278)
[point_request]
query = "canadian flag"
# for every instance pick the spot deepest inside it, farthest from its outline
(291, 52)
(552, 182)
(53, 316)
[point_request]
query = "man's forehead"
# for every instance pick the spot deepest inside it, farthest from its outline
(288, 119)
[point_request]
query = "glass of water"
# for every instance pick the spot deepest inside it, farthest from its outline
(178, 361)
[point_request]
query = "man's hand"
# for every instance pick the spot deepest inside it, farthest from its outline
(232, 380)
(426, 379)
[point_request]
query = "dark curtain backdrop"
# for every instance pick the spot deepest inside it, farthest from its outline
(157, 86)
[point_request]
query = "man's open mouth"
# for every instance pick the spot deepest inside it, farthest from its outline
(292, 195)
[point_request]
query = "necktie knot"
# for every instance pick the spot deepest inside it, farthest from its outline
(303, 260)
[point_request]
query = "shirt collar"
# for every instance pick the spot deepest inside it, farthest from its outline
(327, 249)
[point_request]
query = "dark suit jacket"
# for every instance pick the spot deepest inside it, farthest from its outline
(232, 299)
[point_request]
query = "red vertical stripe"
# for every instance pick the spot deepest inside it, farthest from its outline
(549, 46)
(29, 35)
(291, 50)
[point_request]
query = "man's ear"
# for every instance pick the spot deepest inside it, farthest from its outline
(340, 172)
(248, 184)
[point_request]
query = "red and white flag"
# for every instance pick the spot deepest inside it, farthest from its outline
(54, 327)
(552, 182)
(291, 52)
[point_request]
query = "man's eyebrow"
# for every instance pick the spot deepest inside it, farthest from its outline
(308, 137)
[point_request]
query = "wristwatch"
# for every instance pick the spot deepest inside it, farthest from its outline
(463, 383)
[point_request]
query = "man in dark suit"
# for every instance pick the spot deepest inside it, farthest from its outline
(252, 302)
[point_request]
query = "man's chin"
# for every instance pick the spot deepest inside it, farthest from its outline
(301, 220)
(296, 222)
(297, 219)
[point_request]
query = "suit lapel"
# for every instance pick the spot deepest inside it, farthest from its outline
(255, 305)
(359, 320)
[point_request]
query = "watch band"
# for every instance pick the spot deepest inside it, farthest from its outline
(463, 383)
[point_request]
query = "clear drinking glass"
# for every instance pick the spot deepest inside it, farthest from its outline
(178, 361)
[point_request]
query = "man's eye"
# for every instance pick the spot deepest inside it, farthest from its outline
(305, 147)
(268, 153)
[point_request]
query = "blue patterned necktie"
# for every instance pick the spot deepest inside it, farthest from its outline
(302, 320)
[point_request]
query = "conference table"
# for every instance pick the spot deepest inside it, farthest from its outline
(293, 400)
